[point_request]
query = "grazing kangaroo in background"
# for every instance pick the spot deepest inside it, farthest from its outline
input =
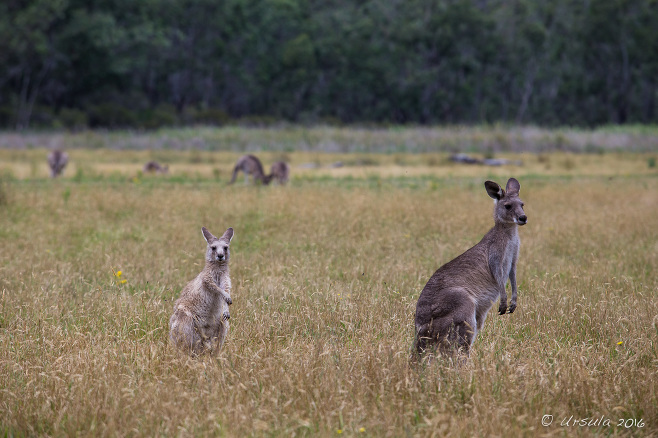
(57, 160)
(454, 303)
(280, 171)
(155, 167)
(200, 320)
(250, 165)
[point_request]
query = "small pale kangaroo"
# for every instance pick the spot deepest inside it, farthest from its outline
(57, 161)
(280, 171)
(250, 165)
(454, 303)
(155, 167)
(200, 320)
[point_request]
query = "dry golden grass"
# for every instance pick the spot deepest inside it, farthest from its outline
(326, 274)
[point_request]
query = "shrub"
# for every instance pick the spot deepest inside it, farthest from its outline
(42, 117)
(591, 148)
(7, 117)
(157, 118)
(211, 116)
(73, 119)
(111, 115)
(258, 121)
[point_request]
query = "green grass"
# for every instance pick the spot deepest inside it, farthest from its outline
(326, 273)
(492, 139)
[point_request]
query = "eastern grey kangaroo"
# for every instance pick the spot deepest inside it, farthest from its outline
(57, 160)
(280, 171)
(454, 303)
(200, 320)
(250, 165)
(155, 167)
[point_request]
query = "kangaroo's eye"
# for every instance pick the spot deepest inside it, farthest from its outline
(507, 206)
(226, 248)
(214, 248)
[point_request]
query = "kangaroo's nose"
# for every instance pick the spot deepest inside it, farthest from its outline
(220, 256)
(523, 219)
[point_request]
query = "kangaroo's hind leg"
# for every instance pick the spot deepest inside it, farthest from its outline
(459, 337)
(424, 340)
(223, 332)
(456, 332)
(183, 334)
(220, 330)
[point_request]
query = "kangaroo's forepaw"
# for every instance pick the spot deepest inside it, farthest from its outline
(502, 309)
(228, 300)
(512, 308)
(226, 316)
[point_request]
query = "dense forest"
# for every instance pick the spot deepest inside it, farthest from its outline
(148, 63)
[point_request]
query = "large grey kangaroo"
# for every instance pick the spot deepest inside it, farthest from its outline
(200, 320)
(454, 303)
(250, 165)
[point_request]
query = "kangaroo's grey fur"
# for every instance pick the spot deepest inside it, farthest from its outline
(454, 303)
(250, 165)
(155, 167)
(200, 320)
(280, 171)
(57, 160)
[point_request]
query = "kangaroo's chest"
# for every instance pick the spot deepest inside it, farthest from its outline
(211, 304)
(217, 301)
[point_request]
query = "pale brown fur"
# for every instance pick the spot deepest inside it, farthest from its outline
(155, 167)
(200, 320)
(250, 165)
(280, 171)
(57, 161)
(454, 303)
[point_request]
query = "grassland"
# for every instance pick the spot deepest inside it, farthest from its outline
(326, 274)
(285, 138)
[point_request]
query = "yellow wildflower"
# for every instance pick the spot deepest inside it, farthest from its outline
(363, 429)
(123, 281)
(620, 342)
(119, 273)
(339, 431)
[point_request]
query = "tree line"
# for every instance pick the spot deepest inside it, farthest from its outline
(149, 63)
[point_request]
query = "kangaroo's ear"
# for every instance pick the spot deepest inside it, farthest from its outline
(207, 235)
(513, 187)
(228, 235)
(494, 190)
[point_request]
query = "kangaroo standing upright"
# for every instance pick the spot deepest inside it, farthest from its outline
(57, 161)
(454, 303)
(200, 320)
(250, 165)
